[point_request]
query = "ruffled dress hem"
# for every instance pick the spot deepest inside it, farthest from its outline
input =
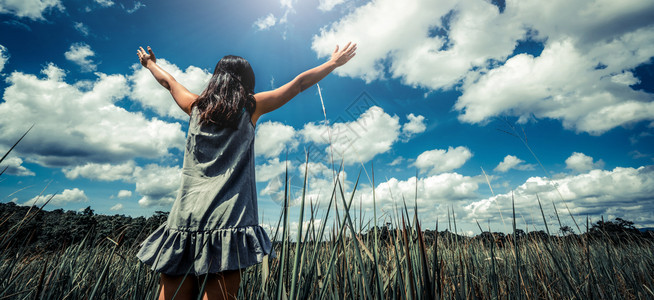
(178, 251)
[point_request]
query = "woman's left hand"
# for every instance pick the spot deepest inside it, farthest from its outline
(146, 57)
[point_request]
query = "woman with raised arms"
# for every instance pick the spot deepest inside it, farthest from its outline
(212, 232)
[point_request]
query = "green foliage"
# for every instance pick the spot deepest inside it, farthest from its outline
(39, 231)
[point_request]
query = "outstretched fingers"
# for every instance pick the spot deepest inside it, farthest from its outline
(347, 46)
(351, 51)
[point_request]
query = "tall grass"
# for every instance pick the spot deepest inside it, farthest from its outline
(405, 263)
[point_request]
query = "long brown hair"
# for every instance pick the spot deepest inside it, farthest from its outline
(230, 91)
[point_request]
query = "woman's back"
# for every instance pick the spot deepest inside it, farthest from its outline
(218, 167)
(215, 214)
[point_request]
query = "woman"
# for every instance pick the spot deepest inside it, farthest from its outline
(212, 231)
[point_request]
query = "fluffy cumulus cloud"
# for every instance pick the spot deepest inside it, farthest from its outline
(272, 138)
(433, 192)
(137, 5)
(622, 192)
(581, 162)
(320, 183)
(147, 91)
(582, 77)
(124, 194)
(272, 169)
(117, 207)
(425, 43)
(266, 22)
(158, 185)
(14, 166)
(4, 57)
(81, 28)
(357, 141)
(327, 5)
(440, 160)
(67, 196)
(32, 9)
(79, 123)
(105, 3)
(80, 54)
(415, 125)
(103, 172)
(513, 162)
(562, 83)
(270, 20)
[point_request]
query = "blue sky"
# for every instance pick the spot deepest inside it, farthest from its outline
(549, 98)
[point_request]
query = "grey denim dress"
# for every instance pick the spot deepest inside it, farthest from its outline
(213, 224)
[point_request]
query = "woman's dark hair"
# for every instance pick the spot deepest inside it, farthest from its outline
(230, 90)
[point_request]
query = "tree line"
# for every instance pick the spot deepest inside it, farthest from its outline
(30, 228)
(33, 229)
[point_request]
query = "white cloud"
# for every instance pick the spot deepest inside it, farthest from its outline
(581, 162)
(81, 28)
(320, 183)
(399, 33)
(67, 196)
(447, 44)
(319, 186)
(327, 5)
(433, 191)
(396, 161)
(415, 125)
(622, 192)
(14, 167)
(272, 169)
(315, 170)
(274, 137)
(273, 188)
(562, 83)
(625, 78)
(358, 141)
(287, 4)
(513, 162)
(147, 91)
(266, 22)
(105, 3)
(137, 5)
(32, 9)
(80, 54)
(157, 184)
(270, 20)
(124, 194)
(4, 57)
(104, 172)
(117, 207)
(80, 123)
(440, 160)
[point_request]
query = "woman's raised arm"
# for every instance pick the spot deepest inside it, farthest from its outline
(182, 96)
(271, 100)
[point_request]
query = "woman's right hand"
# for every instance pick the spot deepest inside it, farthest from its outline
(146, 57)
(339, 58)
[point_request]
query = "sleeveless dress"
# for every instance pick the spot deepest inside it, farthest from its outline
(213, 224)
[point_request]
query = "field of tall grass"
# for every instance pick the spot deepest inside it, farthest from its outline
(344, 262)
